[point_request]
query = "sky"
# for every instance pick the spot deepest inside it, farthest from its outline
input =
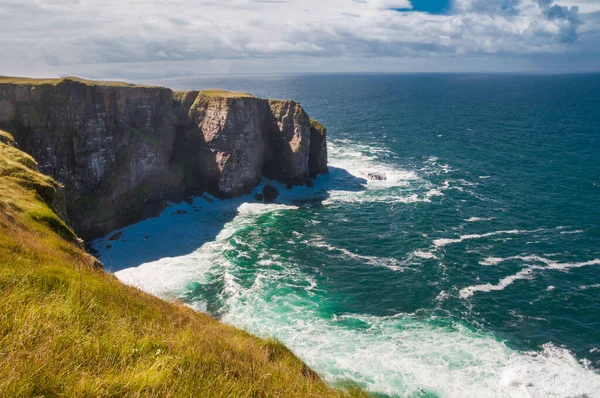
(156, 39)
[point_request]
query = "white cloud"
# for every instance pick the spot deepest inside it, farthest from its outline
(71, 36)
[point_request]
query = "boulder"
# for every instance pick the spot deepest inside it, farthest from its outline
(376, 176)
(270, 193)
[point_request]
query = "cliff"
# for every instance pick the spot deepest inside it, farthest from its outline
(122, 150)
(70, 329)
(228, 141)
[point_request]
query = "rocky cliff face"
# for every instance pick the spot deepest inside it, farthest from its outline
(230, 140)
(121, 150)
(110, 145)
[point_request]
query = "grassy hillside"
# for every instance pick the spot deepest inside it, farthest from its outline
(67, 328)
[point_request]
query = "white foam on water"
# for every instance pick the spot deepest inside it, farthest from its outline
(402, 355)
(386, 262)
(359, 160)
(477, 219)
(577, 231)
(448, 241)
(423, 254)
(396, 355)
(583, 287)
(168, 276)
(525, 273)
(489, 261)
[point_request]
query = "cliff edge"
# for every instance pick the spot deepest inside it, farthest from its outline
(121, 150)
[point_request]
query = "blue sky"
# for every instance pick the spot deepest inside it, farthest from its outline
(150, 39)
(430, 6)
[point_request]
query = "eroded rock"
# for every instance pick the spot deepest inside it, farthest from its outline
(376, 176)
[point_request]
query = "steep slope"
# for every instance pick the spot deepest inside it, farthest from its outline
(67, 328)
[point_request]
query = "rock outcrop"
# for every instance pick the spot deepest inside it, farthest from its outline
(228, 141)
(122, 150)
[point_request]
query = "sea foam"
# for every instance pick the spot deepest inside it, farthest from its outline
(525, 273)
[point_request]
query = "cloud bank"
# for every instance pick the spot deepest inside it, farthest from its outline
(155, 38)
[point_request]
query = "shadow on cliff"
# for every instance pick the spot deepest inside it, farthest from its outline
(183, 228)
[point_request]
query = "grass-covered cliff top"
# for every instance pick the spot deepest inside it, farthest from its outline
(53, 82)
(225, 94)
(318, 127)
(28, 81)
(68, 328)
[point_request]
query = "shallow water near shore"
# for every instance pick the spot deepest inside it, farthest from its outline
(472, 270)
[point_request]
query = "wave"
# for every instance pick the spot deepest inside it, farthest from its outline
(403, 355)
(423, 254)
(477, 219)
(272, 296)
(525, 273)
(361, 160)
(596, 286)
(386, 262)
(448, 241)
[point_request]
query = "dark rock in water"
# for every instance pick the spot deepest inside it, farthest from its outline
(376, 176)
(270, 193)
(189, 200)
(209, 200)
(147, 237)
(259, 197)
(179, 213)
(108, 246)
(116, 236)
(309, 183)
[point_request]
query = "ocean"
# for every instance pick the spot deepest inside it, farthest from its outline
(473, 270)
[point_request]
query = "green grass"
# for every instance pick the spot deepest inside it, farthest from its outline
(225, 94)
(53, 82)
(318, 127)
(67, 328)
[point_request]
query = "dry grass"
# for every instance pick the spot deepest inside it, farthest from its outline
(53, 82)
(69, 329)
(6, 138)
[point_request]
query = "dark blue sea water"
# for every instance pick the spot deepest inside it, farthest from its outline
(472, 271)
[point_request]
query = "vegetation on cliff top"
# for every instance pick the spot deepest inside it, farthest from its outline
(225, 94)
(54, 82)
(6, 138)
(68, 328)
(318, 127)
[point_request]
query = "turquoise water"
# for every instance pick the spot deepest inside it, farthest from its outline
(473, 270)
